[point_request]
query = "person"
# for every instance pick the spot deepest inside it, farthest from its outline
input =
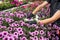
(54, 13)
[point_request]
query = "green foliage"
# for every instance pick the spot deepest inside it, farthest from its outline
(4, 6)
(5, 23)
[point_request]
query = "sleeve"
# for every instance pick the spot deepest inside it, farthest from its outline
(49, 1)
(58, 6)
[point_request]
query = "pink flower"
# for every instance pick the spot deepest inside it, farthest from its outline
(17, 4)
(5, 33)
(41, 38)
(23, 38)
(41, 32)
(20, 32)
(24, 6)
(32, 5)
(12, 3)
(16, 0)
(1, 35)
(21, 2)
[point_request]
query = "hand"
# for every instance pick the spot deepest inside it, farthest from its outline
(29, 15)
(39, 22)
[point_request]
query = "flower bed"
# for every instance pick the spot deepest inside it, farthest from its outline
(14, 27)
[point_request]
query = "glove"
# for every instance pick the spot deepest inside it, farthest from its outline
(29, 15)
(31, 22)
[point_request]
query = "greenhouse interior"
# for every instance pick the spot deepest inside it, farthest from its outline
(29, 20)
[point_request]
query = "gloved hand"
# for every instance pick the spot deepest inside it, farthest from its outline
(31, 22)
(30, 15)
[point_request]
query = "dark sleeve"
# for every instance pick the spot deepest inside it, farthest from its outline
(49, 1)
(58, 6)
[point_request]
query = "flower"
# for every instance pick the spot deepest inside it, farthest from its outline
(1, 22)
(15, 33)
(1, 18)
(11, 38)
(23, 38)
(20, 32)
(41, 32)
(12, 3)
(41, 38)
(5, 38)
(24, 6)
(11, 14)
(10, 28)
(17, 4)
(1, 35)
(32, 33)
(8, 38)
(35, 37)
(9, 20)
(36, 32)
(21, 2)
(5, 33)
(32, 38)
(19, 29)
(16, 0)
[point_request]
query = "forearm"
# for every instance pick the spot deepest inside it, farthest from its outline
(55, 17)
(40, 7)
(46, 21)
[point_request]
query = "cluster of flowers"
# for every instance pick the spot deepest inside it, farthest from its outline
(17, 2)
(13, 27)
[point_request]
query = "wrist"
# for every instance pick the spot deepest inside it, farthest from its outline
(40, 23)
(33, 13)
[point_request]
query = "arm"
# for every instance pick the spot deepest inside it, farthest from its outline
(40, 7)
(55, 17)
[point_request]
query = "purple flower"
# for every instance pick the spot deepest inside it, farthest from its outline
(36, 32)
(23, 38)
(1, 18)
(20, 32)
(15, 33)
(46, 38)
(33, 25)
(1, 22)
(7, 14)
(18, 15)
(3, 26)
(32, 33)
(8, 38)
(9, 20)
(10, 28)
(5, 33)
(14, 25)
(32, 38)
(11, 14)
(17, 25)
(22, 23)
(41, 38)
(2, 12)
(41, 32)
(5, 38)
(15, 36)
(19, 29)
(11, 38)
(49, 34)
(28, 25)
(1, 35)
(35, 37)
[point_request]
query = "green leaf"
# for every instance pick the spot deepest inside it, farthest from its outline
(16, 18)
(5, 24)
